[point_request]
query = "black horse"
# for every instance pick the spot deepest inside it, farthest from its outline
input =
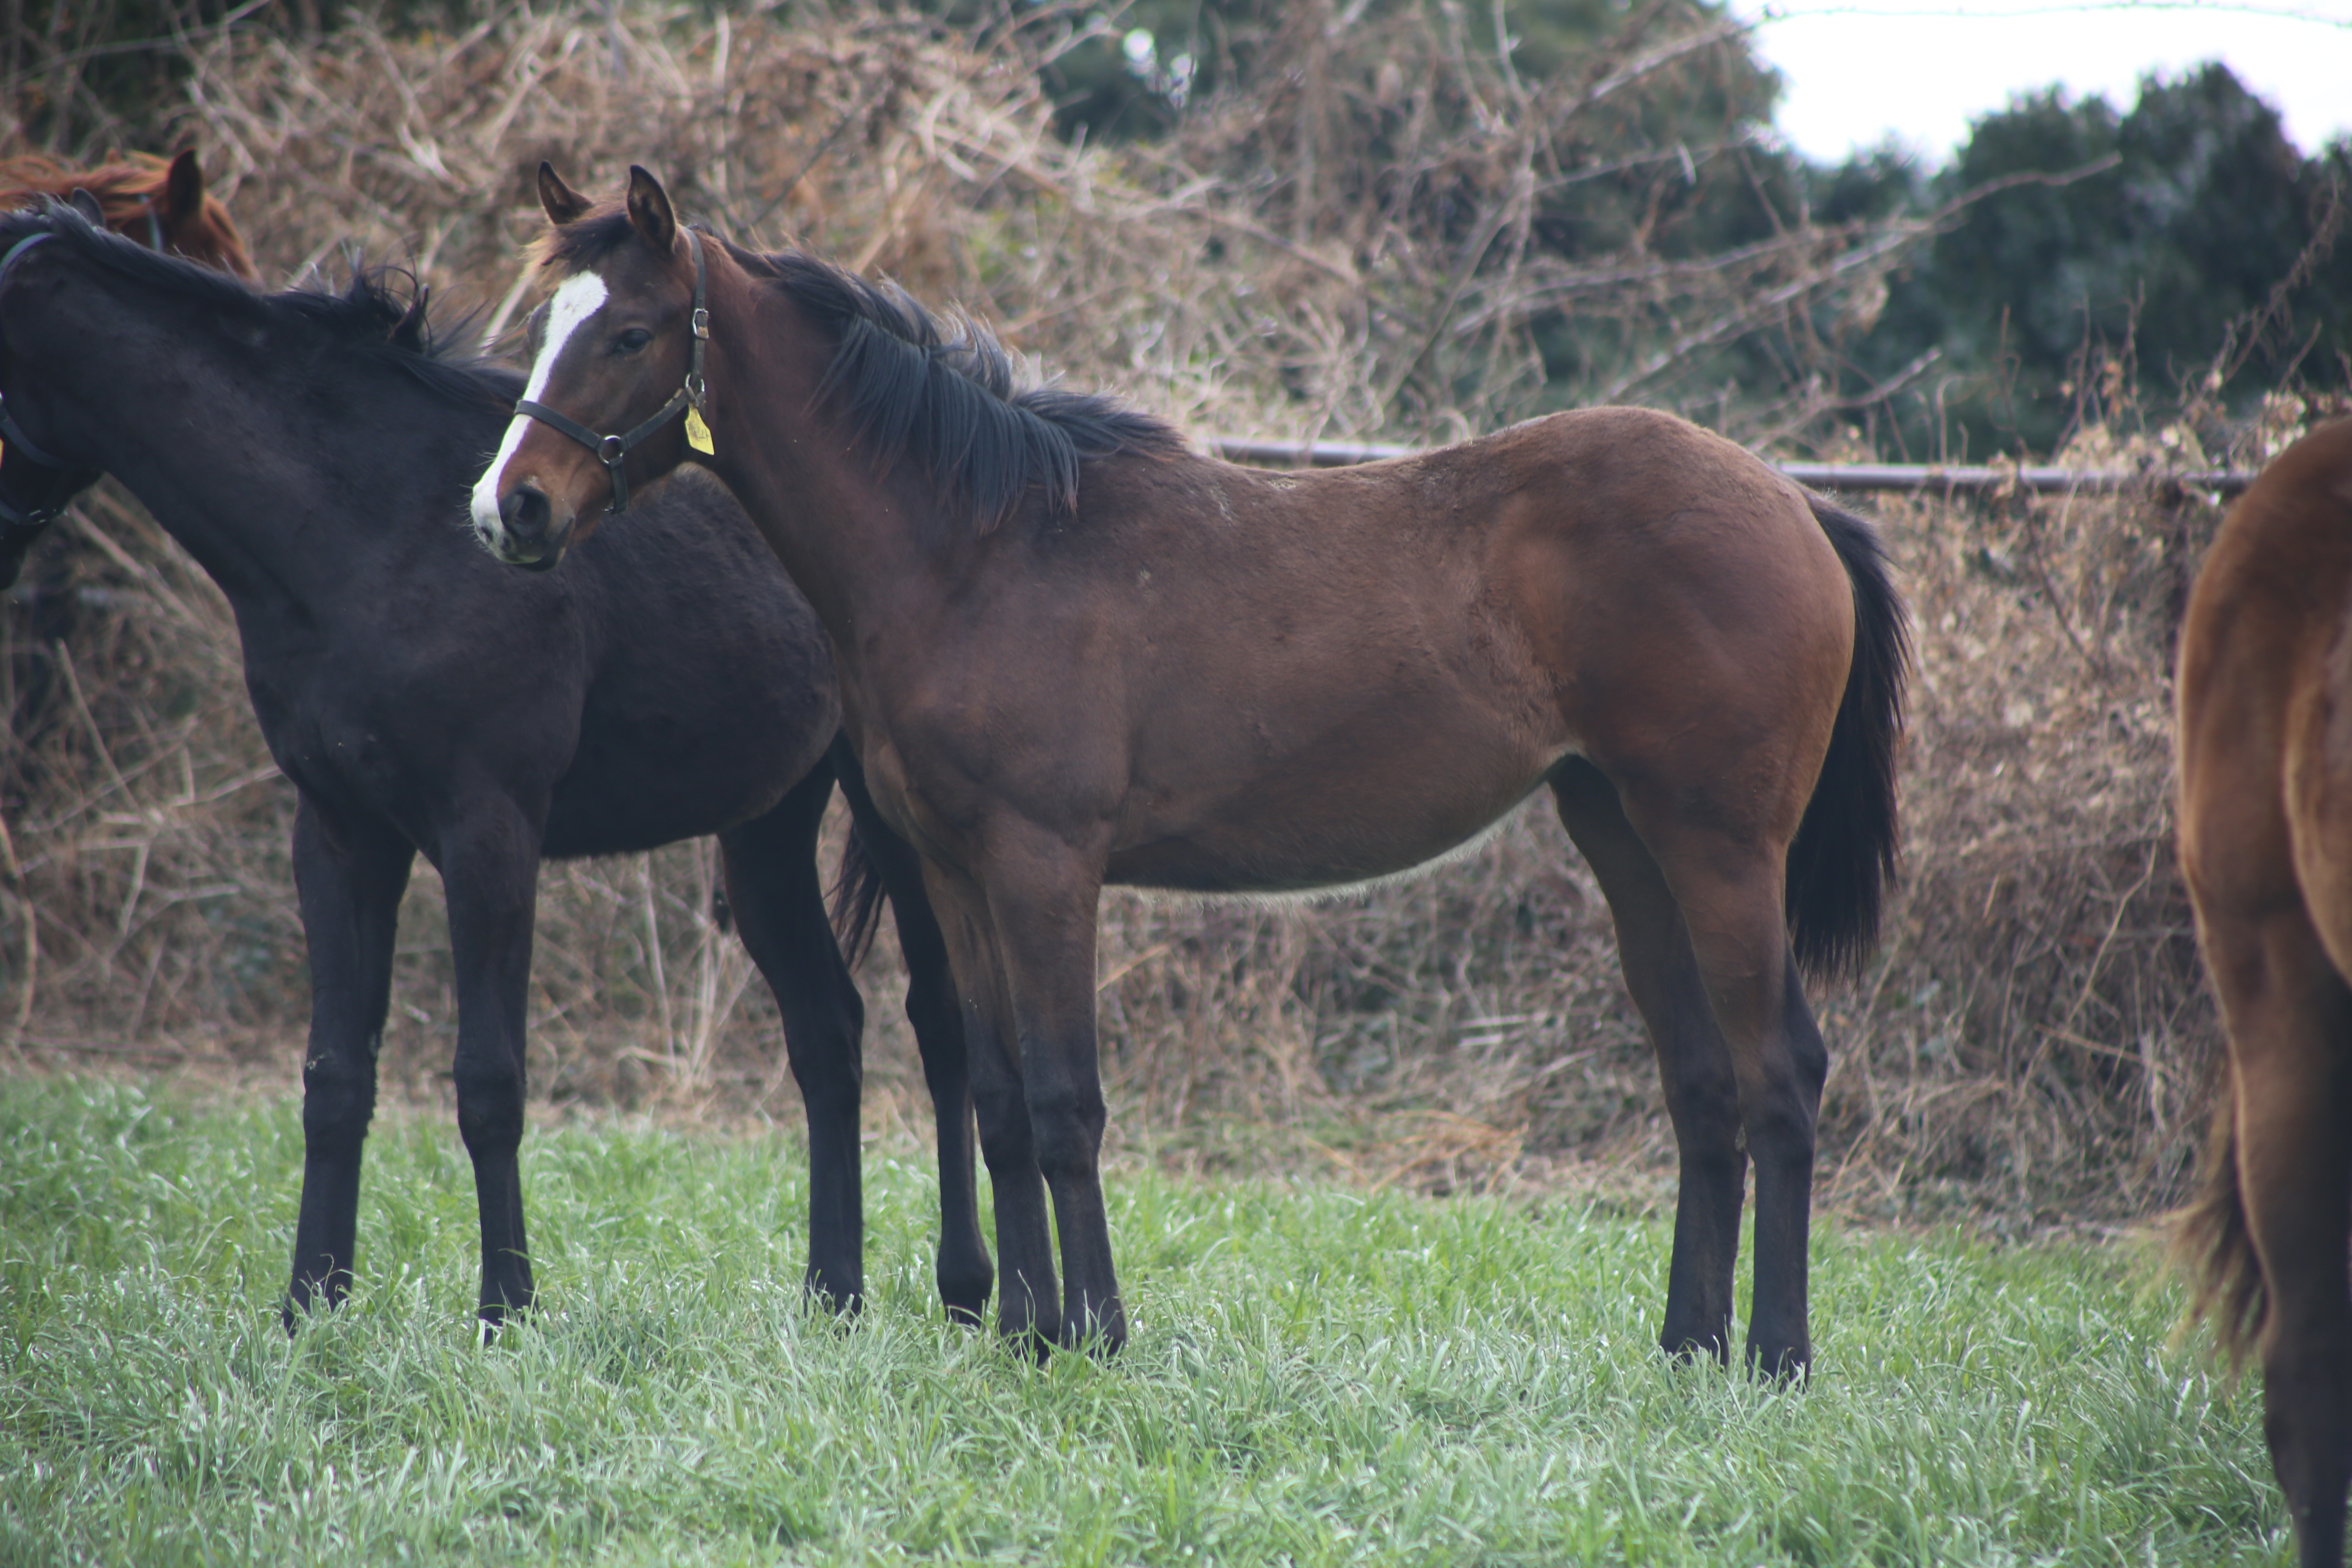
(314, 452)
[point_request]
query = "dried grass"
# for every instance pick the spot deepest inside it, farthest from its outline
(2030, 1044)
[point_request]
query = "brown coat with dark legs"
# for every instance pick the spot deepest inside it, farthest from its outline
(2267, 843)
(1072, 653)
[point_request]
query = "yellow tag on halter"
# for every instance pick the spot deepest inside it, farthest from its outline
(697, 434)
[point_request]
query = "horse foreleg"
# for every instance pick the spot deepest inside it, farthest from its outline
(490, 867)
(2290, 1018)
(1694, 1064)
(772, 886)
(966, 1276)
(1042, 902)
(349, 883)
(1028, 1306)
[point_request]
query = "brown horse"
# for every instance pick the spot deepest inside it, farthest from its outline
(1073, 653)
(2267, 843)
(162, 205)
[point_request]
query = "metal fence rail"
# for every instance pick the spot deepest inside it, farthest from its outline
(1932, 477)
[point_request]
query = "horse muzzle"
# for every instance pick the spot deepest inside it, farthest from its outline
(526, 531)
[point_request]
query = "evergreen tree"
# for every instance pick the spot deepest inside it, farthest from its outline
(2165, 260)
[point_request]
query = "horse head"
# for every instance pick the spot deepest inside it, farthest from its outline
(162, 205)
(620, 350)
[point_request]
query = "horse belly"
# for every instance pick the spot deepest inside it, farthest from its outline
(1330, 833)
(638, 785)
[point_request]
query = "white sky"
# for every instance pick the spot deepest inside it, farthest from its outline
(1858, 72)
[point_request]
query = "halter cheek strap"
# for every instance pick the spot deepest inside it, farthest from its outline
(613, 451)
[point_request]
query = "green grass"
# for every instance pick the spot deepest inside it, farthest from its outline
(1316, 1375)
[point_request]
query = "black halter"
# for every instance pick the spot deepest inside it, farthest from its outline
(25, 519)
(613, 451)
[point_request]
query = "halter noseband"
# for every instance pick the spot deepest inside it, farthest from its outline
(613, 451)
(12, 435)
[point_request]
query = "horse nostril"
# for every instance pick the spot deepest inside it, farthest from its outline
(525, 512)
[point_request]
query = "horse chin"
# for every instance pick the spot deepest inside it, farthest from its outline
(503, 548)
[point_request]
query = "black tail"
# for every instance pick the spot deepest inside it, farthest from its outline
(2213, 1243)
(856, 900)
(1843, 854)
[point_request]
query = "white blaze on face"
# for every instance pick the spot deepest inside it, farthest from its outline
(579, 298)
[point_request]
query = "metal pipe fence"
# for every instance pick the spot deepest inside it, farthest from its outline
(1928, 477)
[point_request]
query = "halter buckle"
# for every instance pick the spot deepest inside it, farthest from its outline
(702, 323)
(612, 449)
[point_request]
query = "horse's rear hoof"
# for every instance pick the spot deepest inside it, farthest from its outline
(1033, 1341)
(303, 1297)
(845, 1304)
(1789, 1365)
(494, 1315)
(1101, 1335)
(1028, 1345)
(1689, 1350)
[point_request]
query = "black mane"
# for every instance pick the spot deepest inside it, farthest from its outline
(917, 387)
(942, 395)
(360, 320)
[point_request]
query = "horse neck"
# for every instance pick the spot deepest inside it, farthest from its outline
(288, 510)
(863, 547)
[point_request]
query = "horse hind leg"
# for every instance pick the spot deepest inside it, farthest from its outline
(772, 888)
(1726, 888)
(2290, 1022)
(350, 884)
(1702, 1095)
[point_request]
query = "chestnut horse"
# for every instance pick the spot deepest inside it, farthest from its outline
(311, 452)
(162, 205)
(2266, 845)
(1072, 653)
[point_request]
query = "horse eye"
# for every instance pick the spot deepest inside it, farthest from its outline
(633, 340)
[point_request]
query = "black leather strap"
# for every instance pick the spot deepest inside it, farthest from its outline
(13, 434)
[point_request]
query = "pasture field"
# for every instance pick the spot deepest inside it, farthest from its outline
(1318, 1375)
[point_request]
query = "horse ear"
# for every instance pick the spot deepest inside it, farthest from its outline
(82, 202)
(183, 188)
(649, 211)
(408, 332)
(562, 203)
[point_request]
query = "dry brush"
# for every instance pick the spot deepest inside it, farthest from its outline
(1341, 255)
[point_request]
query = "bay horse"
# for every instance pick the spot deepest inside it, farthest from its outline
(1073, 653)
(2265, 694)
(160, 203)
(313, 451)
